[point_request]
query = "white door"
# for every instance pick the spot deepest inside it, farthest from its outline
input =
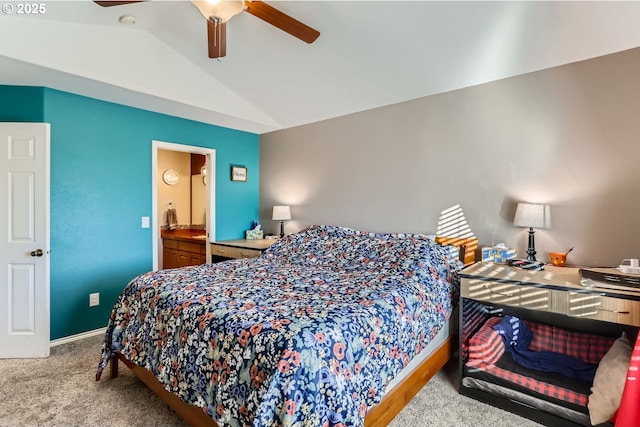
(24, 240)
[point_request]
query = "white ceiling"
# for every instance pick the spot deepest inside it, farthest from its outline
(369, 53)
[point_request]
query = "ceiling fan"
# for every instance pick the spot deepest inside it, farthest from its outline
(218, 12)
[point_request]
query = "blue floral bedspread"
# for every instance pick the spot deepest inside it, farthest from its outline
(310, 333)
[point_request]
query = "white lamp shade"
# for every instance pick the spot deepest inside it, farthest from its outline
(221, 10)
(281, 213)
(532, 215)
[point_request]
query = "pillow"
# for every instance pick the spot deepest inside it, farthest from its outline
(609, 380)
(486, 345)
(346, 248)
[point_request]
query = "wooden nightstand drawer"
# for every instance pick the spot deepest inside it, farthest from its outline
(508, 294)
(231, 252)
(600, 307)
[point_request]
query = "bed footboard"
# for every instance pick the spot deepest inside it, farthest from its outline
(378, 416)
(192, 415)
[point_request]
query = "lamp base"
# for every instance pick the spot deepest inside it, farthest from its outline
(525, 264)
(281, 229)
(531, 250)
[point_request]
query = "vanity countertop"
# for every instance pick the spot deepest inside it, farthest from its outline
(185, 235)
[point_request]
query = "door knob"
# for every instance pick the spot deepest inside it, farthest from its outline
(37, 252)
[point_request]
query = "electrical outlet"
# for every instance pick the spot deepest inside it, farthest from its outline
(94, 299)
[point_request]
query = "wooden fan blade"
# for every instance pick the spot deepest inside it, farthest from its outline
(217, 35)
(116, 3)
(281, 20)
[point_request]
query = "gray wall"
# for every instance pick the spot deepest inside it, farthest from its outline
(567, 136)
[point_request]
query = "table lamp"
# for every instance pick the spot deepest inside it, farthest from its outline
(282, 214)
(532, 215)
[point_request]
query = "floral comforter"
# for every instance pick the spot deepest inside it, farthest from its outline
(310, 333)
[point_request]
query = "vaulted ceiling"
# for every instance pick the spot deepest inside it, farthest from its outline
(369, 53)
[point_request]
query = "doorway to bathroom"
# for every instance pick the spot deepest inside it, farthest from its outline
(190, 176)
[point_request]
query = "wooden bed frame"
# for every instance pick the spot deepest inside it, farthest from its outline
(378, 416)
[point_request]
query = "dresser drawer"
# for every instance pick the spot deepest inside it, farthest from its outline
(231, 252)
(530, 297)
(599, 307)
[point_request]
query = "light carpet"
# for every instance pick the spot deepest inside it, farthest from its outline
(61, 391)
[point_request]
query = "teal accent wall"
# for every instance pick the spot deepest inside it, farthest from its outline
(101, 187)
(21, 104)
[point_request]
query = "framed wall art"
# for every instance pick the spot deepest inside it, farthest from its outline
(238, 173)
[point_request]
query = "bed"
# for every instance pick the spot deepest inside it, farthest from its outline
(330, 326)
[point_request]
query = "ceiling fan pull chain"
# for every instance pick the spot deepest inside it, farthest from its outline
(216, 37)
(216, 23)
(219, 41)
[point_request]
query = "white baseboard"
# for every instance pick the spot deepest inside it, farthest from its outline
(77, 337)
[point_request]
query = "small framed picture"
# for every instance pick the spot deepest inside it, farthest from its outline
(238, 173)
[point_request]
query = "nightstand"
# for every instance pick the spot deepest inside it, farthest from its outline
(553, 296)
(555, 290)
(241, 248)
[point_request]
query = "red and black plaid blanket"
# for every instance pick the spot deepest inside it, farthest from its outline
(489, 361)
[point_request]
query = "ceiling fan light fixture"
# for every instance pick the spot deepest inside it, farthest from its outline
(219, 11)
